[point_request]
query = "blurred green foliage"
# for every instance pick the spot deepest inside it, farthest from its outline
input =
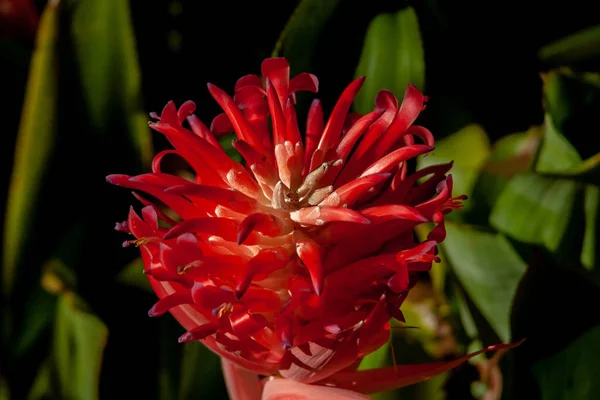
(520, 260)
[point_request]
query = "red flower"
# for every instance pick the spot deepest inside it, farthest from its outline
(293, 262)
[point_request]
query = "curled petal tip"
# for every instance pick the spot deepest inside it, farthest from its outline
(185, 338)
(116, 179)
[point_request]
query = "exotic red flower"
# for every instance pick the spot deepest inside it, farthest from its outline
(293, 262)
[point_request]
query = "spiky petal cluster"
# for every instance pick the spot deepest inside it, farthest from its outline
(294, 261)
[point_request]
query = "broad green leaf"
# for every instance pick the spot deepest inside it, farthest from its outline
(299, 38)
(510, 155)
(391, 58)
(576, 47)
(535, 209)
(35, 142)
(572, 373)
(104, 44)
(133, 275)
(79, 341)
(469, 148)
(198, 361)
(556, 153)
(489, 270)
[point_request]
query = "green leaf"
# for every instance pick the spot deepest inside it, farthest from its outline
(133, 274)
(535, 209)
(510, 155)
(469, 148)
(35, 142)
(199, 361)
(489, 270)
(579, 46)
(592, 223)
(104, 45)
(79, 341)
(556, 153)
(42, 385)
(391, 58)
(572, 374)
(299, 38)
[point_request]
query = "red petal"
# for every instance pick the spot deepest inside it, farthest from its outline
(351, 192)
(231, 199)
(248, 80)
(266, 224)
(386, 100)
(304, 81)
(198, 333)
(173, 300)
(181, 206)
(221, 124)
(240, 125)
(412, 104)
(333, 129)
(389, 378)
(349, 140)
(185, 110)
(282, 389)
(393, 211)
(277, 71)
(202, 130)
(392, 160)
(259, 299)
(244, 324)
(223, 227)
(277, 119)
(310, 254)
(158, 159)
(242, 384)
(321, 215)
(423, 133)
(314, 130)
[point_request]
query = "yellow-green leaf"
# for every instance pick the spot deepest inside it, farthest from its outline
(35, 142)
(79, 341)
(576, 47)
(391, 58)
(104, 45)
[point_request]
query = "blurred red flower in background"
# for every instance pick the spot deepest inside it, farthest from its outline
(18, 18)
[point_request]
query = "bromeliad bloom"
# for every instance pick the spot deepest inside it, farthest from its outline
(293, 262)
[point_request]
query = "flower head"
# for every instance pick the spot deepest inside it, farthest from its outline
(294, 261)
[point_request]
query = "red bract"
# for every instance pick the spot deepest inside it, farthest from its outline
(293, 262)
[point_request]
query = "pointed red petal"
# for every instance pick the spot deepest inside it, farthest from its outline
(385, 100)
(321, 215)
(222, 227)
(198, 333)
(173, 300)
(202, 130)
(333, 129)
(314, 130)
(310, 253)
(242, 384)
(393, 211)
(349, 140)
(266, 224)
(411, 106)
(240, 125)
(281, 389)
(277, 119)
(231, 199)
(392, 160)
(244, 324)
(389, 378)
(351, 192)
